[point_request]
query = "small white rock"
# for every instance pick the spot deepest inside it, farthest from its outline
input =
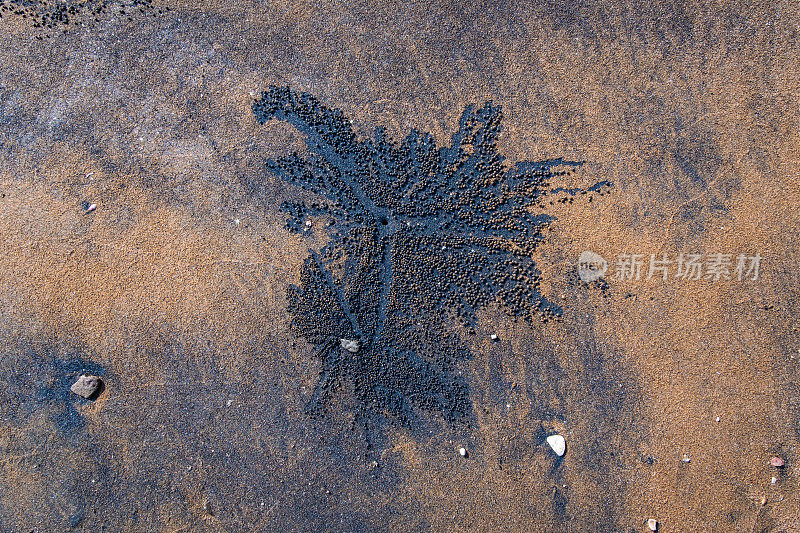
(717, 419)
(774, 480)
(308, 223)
(652, 524)
(686, 458)
(557, 443)
(349, 345)
(462, 452)
(493, 337)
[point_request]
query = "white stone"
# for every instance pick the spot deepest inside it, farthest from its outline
(652, 524)
(462, 452)
(558, 444)
(349, 345)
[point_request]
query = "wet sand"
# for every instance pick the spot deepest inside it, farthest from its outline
(175, 289)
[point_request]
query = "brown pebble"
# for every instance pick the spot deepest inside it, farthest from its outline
(86, 386)
(777, 462)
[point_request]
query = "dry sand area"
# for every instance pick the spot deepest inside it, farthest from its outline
(143, 241)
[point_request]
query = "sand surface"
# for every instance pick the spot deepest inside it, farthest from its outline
(175, 288)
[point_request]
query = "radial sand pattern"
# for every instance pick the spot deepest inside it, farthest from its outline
(418, 235)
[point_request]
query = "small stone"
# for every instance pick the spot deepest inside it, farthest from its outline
(462, 452)
(558, 444)
(493, 337)
(763, 500)
(774, 480)
(686, 458)
(90, 208)
(717, 419)
(777, 462)
(308, 223)
(349, 345)
(652, 524)
(86, 386)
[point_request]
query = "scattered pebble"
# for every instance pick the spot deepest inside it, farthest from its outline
(717, 419)
(86, 386)
(462, 452)
(774, 480)
(763, 500)
(652, 524)
(207, 508)
(308, 223)
(90, 208)
(557, 443)
(349, 345)
(777, 462)
(493, 337)
(686, 458)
